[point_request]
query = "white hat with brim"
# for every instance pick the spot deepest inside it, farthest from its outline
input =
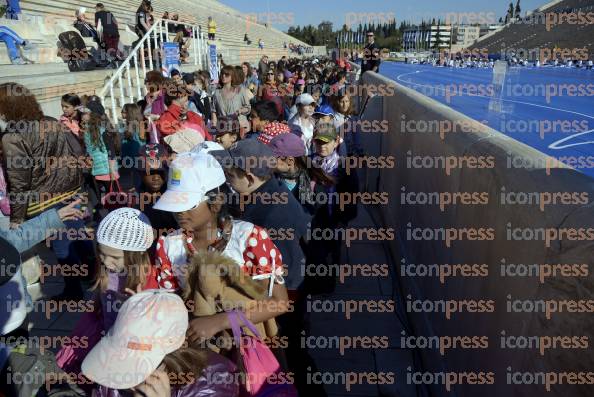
(150, 325)
(191, 176)
(118, 368)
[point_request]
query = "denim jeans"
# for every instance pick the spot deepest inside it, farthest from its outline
(11, 39)
(5, 225)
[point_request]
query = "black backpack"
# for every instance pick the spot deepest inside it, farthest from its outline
(74, 52)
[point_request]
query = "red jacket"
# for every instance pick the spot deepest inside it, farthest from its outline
(170, 122)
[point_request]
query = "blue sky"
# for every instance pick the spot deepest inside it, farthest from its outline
(303, 12)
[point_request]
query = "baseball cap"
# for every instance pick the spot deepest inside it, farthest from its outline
(12, 288)
(287, 145)
(325, 132)
(150, 325)
(305, 99)
(249, 155)
(191, 176)
(324, 110)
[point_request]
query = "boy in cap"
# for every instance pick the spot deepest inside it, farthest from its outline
(336, 214)
(266, 201)
(305, 182)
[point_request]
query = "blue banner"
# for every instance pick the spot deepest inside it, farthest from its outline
(213, 62)
(170, 58)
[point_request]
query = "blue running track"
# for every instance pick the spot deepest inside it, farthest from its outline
(549, 109)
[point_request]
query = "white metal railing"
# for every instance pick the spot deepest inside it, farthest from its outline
(126, 85)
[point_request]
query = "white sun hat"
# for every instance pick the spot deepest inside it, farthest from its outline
(150, 325)
(191, 176)
(127, 229)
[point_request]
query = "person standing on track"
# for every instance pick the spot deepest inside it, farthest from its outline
(371, 55)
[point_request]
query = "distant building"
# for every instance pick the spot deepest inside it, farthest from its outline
(465, 35)
(427, 37)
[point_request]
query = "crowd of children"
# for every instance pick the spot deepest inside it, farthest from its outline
(202, 201)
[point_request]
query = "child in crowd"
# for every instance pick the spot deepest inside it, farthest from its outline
(70, 115)
(177, 117)
(303, 123)
(123, 238)
(102, 146)
(133, 131)
(228, 131)
(145, 354)
(249, 169)
(335, 214)
(152, 169)
(265, 121)
(345, 122)
(306, 183)
(206, 225)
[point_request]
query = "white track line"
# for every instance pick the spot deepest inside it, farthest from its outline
(555, 145)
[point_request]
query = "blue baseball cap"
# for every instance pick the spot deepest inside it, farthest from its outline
(324, 110)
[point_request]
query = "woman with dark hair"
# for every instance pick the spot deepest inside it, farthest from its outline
(269, 91)
(250, 80)
(30, 136)
(143, 23)
(230, 99)
(153, 103)
(70, 115)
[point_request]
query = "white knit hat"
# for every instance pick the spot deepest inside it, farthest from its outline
(127, 229)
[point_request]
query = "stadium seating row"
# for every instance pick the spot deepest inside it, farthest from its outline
(521, 36)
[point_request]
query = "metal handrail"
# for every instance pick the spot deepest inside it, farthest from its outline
(158, 32)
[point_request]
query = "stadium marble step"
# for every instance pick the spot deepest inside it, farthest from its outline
(21, 71)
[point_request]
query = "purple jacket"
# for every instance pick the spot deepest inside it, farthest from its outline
(218, 380)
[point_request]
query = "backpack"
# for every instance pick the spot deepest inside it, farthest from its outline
(74, 52)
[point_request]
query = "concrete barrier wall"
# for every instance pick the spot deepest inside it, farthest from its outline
(491, 220)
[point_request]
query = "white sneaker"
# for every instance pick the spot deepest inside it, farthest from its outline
(18, 61)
